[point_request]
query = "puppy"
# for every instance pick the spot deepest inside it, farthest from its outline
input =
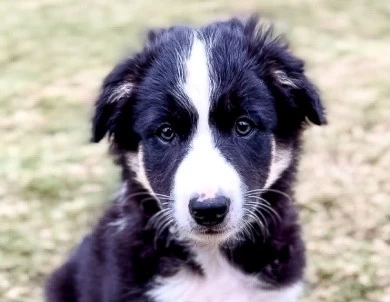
(206, 125)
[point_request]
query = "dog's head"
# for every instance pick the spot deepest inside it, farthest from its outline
(208, 118)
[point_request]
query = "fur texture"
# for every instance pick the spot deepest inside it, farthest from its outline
(199, 113)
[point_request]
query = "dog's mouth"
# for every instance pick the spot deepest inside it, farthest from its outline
(211, 234)
(210, 230)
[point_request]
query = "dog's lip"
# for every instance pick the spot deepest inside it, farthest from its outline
(211, 231)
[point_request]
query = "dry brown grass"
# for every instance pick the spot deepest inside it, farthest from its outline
(53, 185)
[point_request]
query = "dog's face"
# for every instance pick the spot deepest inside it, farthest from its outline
(208, 120)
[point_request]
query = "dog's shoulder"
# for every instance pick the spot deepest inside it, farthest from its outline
(63, 284)
(118, 259)
(90, 269)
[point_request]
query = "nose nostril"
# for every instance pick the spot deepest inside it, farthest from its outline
(209, 212)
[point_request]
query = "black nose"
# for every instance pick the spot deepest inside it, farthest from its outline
(209, 212)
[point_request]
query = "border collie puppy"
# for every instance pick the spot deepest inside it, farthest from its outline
(206, 124)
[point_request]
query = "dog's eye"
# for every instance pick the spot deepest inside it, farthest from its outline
(243, 126)
(166, 133)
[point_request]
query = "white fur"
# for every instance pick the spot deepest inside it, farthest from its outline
(281, 159)
(120, 223)
(120, 92)
(282, 78)
(204, 170)
(197, 84)
(135, 161)
(221, 282)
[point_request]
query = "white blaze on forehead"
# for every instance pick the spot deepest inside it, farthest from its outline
(204, 170)
(197, 84)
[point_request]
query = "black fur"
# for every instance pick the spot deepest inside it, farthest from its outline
(119, 265)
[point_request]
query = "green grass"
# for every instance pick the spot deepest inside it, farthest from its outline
(54, 183)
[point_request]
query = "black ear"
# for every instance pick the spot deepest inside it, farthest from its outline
(283, 71)
(300, 92)
(116, 90)
(114, 105)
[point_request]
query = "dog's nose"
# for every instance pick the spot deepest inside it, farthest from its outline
(209, 212)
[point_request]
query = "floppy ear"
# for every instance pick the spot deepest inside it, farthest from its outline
(114, 105)
(284, 72)
(299, 92)
(116, 91)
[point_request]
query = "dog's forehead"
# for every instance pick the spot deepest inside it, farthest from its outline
(195, 67)
(184, 48)
(197, 80)
(220, 77)
(179, 74)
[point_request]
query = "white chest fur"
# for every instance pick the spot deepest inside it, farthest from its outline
(221, 282)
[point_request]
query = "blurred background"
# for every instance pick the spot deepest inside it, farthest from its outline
(54, 183)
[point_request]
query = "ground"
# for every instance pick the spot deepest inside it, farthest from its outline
(54, 183)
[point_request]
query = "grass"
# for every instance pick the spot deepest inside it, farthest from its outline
(54, 183)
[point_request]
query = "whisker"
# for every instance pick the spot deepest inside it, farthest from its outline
(248, 230)
(268, 190)
(160, 222)
(162, 195)
(164, 198)
(259, 198)
(256, 210)
(256, 219)
(137, 194)
(158, 216)
(265, 206)
(279, 192)
(255, 190)
(272, 213)
(161, 229)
